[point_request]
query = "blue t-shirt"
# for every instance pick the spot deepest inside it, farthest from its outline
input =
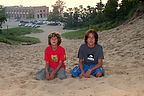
(90, 56)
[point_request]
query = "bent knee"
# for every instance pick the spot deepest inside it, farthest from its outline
(99, 74)
(62, 77)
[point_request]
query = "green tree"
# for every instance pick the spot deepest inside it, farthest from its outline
(76, 14)
(54, 17)
(68, 18)
(110, 10)
(83, 13)
(2, 9)
(99, 16)
(2, 19)
(100, 6)
(2, 16)
(57, 13)
(126, 6)
(58, 7)
(30, 15)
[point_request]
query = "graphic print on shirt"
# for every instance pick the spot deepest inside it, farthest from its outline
(54, 57)
(90, 57)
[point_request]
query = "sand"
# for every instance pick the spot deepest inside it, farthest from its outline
(124, 66)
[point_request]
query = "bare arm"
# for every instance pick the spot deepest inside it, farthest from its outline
(58, 67)
(47, 72)
(81, 68)
(97, 65)
(81, 65)
(47, 66)
(52, 75)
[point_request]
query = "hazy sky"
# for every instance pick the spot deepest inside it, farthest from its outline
(69, 3)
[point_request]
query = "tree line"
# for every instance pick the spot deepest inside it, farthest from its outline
(106, 15)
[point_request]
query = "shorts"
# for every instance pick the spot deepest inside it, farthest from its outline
(41, 74)
(76, 70)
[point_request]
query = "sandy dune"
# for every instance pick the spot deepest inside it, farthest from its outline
(124, 66)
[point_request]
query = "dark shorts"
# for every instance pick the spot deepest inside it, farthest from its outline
(76, 70)
(41, 74)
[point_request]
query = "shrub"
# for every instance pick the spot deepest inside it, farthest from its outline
(95, 27)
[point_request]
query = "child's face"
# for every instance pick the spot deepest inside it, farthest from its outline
(54, 41)
(91, 39)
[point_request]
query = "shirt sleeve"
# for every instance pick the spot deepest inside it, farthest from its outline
(62, 55)
(46, 57)
(80, 53)
(100, 55)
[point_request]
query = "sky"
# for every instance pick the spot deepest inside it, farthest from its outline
(48, 3)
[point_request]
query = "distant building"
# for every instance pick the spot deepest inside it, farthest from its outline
(36, 12)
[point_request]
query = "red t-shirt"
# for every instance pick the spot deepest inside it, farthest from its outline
(55, 56)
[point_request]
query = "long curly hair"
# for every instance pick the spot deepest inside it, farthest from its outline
(55, 34)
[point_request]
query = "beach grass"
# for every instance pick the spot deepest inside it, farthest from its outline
(16, 36)
(78, 34)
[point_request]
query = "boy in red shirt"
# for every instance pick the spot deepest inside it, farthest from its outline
(54, 57)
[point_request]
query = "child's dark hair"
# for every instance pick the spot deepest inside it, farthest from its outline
(54, 34)
(93, 32)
